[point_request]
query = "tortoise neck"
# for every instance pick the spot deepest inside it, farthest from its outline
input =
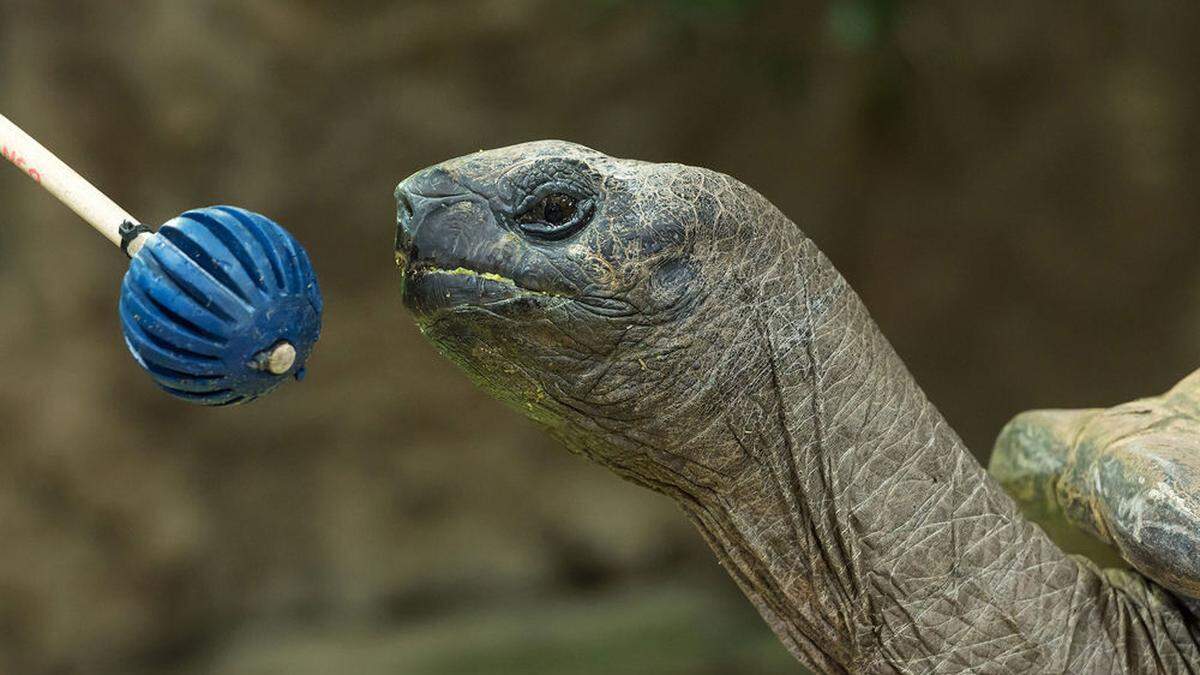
(854, 511)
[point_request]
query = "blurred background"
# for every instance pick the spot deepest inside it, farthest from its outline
(1010, 186)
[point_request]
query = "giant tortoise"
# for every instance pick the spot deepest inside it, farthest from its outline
(670, 323)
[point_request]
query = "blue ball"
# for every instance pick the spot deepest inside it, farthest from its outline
(209, 296)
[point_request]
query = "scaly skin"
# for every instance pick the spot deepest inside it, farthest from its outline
(685, 334)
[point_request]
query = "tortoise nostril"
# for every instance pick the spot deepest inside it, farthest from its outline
(404, 227)
(404, 209)
(432, 212)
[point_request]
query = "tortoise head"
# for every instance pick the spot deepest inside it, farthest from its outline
(600, 296)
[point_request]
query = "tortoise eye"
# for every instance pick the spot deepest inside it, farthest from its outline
(555, 216)
(557, 209)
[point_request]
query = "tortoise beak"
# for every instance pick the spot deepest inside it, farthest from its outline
(448, 245)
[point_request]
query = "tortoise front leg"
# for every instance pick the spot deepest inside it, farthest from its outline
(1129, 476)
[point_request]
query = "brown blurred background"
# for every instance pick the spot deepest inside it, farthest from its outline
(1010, 186)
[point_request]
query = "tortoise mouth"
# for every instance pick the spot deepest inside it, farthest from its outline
(429, 289)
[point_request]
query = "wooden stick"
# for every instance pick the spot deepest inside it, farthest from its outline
(63, 182)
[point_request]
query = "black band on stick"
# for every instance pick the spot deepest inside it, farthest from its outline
(129, 231)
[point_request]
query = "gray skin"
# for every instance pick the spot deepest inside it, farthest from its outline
(671, 324)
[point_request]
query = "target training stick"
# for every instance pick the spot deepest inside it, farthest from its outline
(218, 306)
(63, 182)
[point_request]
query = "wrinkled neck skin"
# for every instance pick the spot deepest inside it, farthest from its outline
(840, 500)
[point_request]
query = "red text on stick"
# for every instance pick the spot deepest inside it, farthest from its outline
(19, 161)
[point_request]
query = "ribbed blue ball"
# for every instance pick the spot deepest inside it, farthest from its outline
(209, 294)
